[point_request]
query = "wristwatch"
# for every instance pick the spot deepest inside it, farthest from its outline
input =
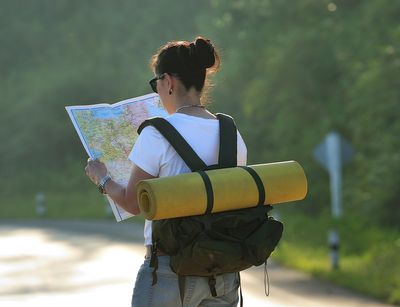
(102, 183)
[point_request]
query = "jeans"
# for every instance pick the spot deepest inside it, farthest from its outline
(165, 292)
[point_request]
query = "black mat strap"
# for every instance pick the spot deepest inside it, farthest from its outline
(259, 183)
(209, 191)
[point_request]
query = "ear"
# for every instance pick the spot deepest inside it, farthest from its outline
(171, 82)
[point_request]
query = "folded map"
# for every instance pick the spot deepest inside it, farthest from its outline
(108, 132)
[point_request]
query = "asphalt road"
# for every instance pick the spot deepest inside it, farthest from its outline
(94, 263)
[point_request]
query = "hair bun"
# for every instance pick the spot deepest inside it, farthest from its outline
(203, 51)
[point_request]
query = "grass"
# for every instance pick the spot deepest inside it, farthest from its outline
(369, 255)
(74, 205)
(69, 194)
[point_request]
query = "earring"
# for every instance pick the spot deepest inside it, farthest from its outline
(170, 91)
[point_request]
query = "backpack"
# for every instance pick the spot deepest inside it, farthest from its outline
(213, 243)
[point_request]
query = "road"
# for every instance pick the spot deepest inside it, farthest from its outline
(94, 263)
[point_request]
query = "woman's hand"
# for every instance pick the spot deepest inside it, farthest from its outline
(95, 170)
(124, 196)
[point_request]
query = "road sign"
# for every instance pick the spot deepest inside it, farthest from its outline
(321, 153)
(332, 153)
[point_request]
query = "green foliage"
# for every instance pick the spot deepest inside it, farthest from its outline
(72, 52)
(68, 194)
(293, 71)
(368, 254)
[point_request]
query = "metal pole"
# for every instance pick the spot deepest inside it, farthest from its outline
(40, 204)
(334, 244)
(333, 143)
(335, 172)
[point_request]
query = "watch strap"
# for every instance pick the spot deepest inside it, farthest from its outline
(102, 183)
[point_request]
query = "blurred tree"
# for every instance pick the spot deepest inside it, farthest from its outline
(72, 52)
(291, 72)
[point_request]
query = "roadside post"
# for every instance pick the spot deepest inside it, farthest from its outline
(332, 153)
(40, 204)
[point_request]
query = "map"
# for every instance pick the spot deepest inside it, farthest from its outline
(108, 132)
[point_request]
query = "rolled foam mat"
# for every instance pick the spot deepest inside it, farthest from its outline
(231, 188)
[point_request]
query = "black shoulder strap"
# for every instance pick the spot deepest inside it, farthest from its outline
(228, 142)
(183, 149)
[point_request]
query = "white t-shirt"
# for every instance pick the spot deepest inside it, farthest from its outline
(153, 153)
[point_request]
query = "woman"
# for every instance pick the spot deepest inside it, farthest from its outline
(181, 69)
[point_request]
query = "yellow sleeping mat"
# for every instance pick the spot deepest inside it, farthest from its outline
(232, 188)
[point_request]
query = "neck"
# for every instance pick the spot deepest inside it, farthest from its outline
(185, 98)
(189, 106)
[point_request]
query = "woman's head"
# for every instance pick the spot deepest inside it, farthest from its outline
(189, 62)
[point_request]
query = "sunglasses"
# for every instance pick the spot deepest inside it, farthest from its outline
(153, 82)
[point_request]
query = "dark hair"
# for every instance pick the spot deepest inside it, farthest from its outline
(192, 62)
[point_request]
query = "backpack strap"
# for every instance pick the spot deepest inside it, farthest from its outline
(181, 284)
(227, 140)
(192, 160)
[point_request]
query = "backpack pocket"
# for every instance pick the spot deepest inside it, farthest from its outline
(262, 242)
(207, 257)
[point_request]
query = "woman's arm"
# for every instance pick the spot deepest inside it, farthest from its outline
(125, 197)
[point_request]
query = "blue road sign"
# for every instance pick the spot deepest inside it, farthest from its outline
(332, 153)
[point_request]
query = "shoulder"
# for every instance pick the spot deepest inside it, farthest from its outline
(150, 131)
(185, 119)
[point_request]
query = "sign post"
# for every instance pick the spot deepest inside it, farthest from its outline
(40, 204)
(332, 153)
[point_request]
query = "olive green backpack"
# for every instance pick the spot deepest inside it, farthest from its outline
(213, 243)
